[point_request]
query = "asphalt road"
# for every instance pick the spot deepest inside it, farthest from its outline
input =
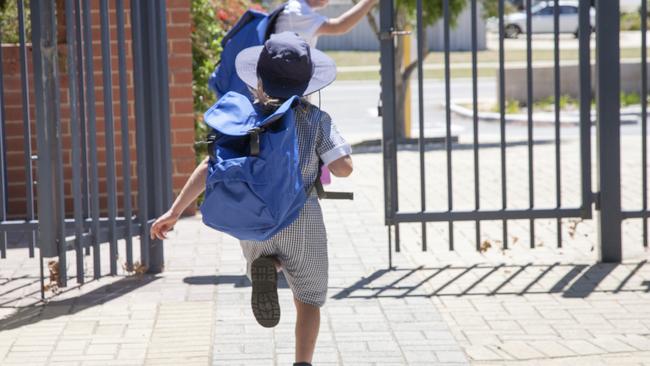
(353, 107)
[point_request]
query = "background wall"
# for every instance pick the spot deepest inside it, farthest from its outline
(362, 38)
(180, 106)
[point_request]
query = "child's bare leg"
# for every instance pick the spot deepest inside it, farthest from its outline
(307, 326)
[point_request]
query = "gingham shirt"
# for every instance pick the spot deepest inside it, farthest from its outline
(317, 138)
(302, 246)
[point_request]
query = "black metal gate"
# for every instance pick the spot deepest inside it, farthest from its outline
(606, 198)
(64, 37)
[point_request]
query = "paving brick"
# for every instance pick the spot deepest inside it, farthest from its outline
(583, 347)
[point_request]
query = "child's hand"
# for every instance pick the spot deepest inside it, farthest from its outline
(162, 225)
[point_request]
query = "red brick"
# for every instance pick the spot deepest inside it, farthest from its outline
(180, 107)
(182, 78)
(181, 47)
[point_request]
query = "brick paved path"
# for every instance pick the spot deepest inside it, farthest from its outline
(520, 306)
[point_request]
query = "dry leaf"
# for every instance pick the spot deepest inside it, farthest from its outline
(53, 285)
(573, 227)
(136, 269)
(485, 246)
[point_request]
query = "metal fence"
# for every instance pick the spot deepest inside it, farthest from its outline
(606, 198)
(78, 206)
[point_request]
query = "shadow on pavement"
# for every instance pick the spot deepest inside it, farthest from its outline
(52, 309)
(569, 280)
(237, 280)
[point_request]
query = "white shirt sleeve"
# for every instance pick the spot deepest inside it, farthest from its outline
(300, 18)
(330, 145)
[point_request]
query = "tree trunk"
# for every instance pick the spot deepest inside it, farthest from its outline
(403, 73)
(400, 82)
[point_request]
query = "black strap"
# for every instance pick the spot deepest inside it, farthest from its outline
(210, 140)
(323, 195)
(273, 18)
(254, 135)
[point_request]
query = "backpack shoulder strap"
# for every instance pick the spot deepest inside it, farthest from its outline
(246, 18)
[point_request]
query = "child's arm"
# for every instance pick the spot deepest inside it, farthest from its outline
(192, 189)
(341, 167)
(346, 21)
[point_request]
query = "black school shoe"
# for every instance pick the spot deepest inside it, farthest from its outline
(264, 299)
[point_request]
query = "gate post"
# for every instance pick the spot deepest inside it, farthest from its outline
(387, 61)
(51, 213)
(152, 123)
(388, 114)
(608, 130)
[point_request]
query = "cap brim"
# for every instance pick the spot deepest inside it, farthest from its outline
(324, 69)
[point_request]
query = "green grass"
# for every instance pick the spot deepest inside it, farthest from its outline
(548, 104)
(428, 74)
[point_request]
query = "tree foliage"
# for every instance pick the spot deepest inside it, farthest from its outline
(432, 10)
(9, 21)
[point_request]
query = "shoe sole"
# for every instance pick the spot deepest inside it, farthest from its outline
(264, 299)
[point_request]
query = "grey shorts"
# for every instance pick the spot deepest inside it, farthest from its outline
(302, 249)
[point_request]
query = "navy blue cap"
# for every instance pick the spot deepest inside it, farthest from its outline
(286, 65)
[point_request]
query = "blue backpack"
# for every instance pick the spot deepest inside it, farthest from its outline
(252, 29)
(254, 186)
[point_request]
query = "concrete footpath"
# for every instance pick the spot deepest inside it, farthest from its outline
(543, 306)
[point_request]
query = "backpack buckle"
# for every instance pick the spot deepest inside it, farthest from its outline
(255, 140)
(210, 141)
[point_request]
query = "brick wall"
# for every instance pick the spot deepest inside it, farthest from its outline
(180, 106)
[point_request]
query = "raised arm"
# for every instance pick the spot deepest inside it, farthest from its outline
(347, 20)
(191, 190)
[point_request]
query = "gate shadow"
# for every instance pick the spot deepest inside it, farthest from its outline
(31, 314)
(570, 280)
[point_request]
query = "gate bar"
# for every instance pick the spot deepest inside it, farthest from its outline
(163, 86)
(27, 140)
(92, 137)
(644, 116)
(556, 77)
(421, 46)
(124, 123)
(3, 162)
(448, 142)
(477, 197)
(154, 122)
(141, 142)
(502, 119)
(82, 119)
(529, 102)
(584, 49)
(109, 131)
(76, 143)
(609, 139)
